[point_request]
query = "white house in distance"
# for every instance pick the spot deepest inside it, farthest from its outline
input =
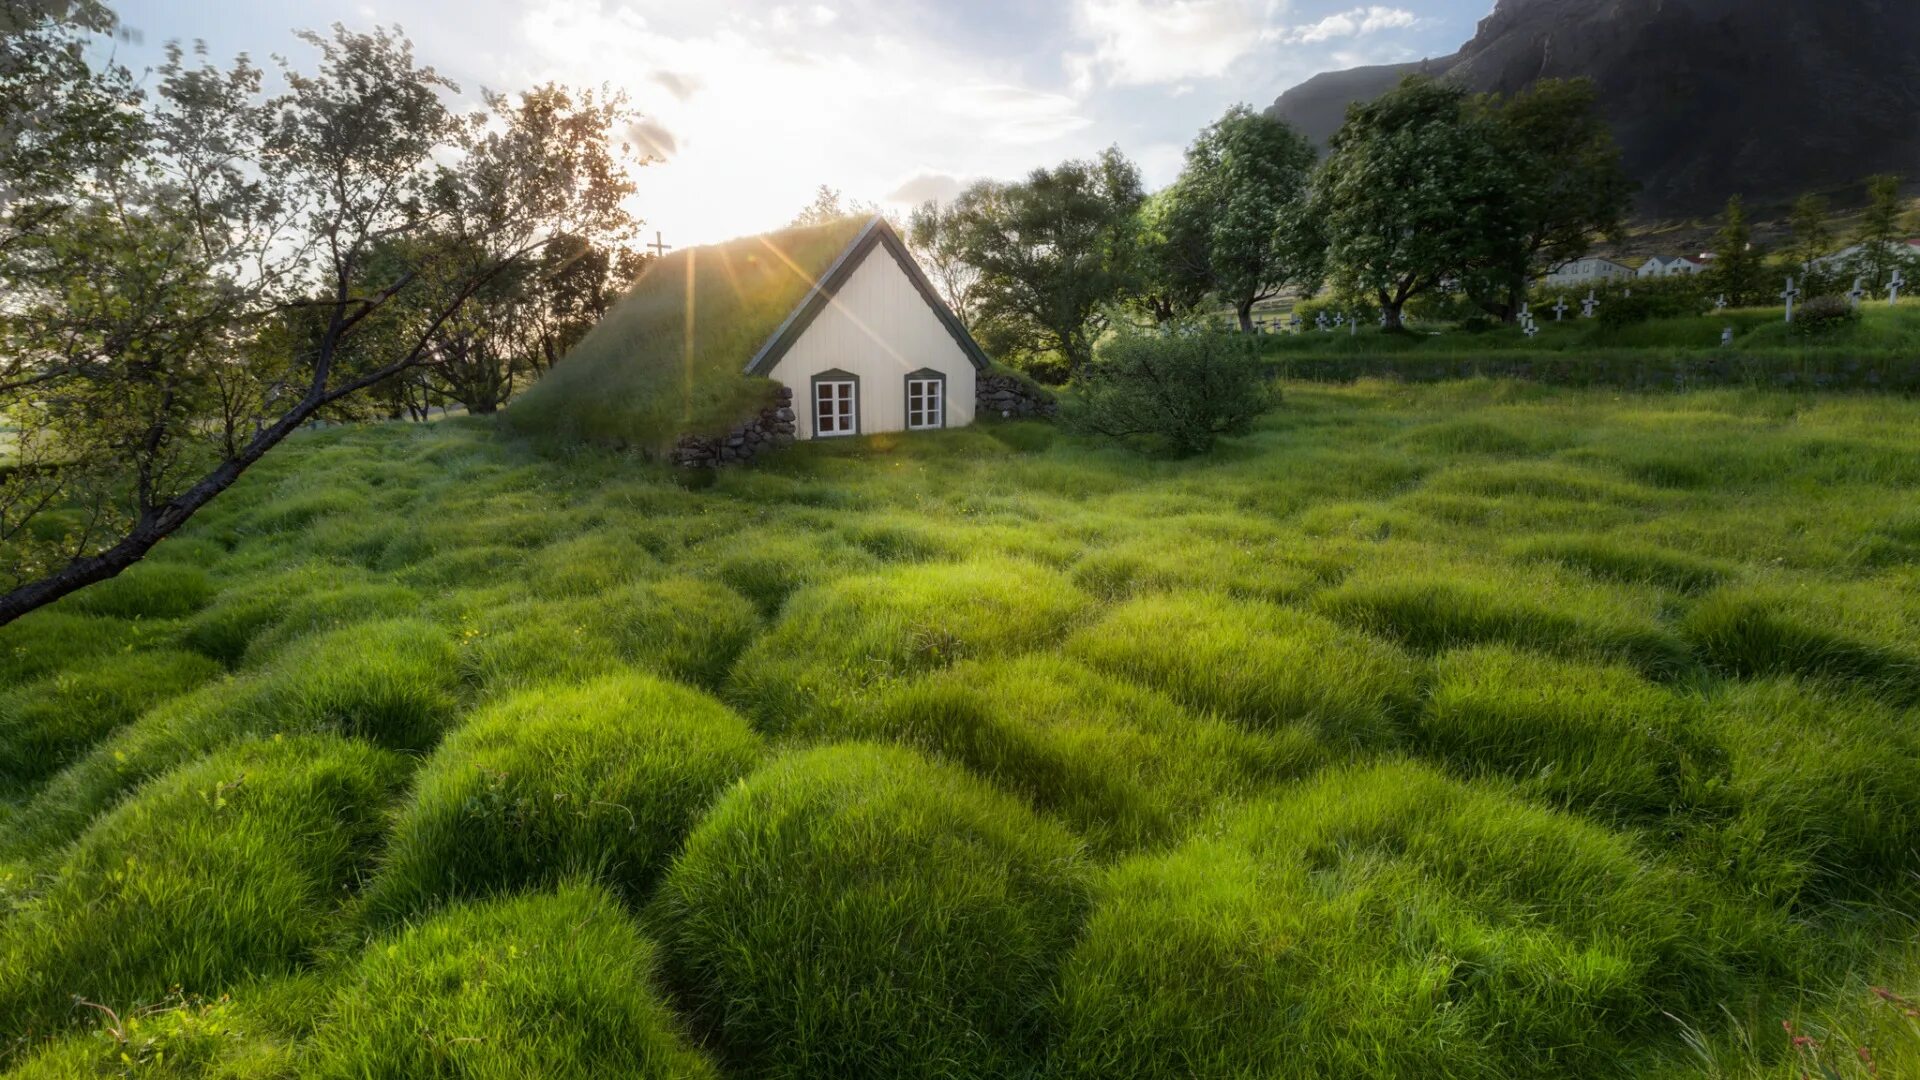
(1669, 266)
(1592, 270)
(872, 347)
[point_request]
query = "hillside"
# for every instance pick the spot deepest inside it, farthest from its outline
(1481, 730)
(1708, 97)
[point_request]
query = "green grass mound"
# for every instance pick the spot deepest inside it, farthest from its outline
(1125, 766)
(1267, 667)
(301, 617)
(184, 1040)
(46, 725)
(589, 565)
(668, 358)
(1476, 437)
(393, 682)
(859, 911)
(768, 566)
(1386, 922)
(49, 640)
(836, 643)
(550, 985)
(1432, 610)
(684, 627)
(602, 780)
(1756, 632)
(1823, 795)
(229, 868)
(1613, 559)
(158, 590)
(1587, 737)
(1259, 569)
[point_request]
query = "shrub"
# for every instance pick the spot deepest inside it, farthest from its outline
(1182, 391)
(229, 868)
(601, 780)
(1824, 315)
(837, 643)
(858, 911)
(1123, 765)
(1387, 922)
(44, 725)
(1676, 298)
(1587, 737)
(551, 985)
(1269, 668)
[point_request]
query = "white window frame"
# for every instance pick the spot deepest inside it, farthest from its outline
(932, 408)
(833, 422)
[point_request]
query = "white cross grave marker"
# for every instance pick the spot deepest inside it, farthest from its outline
(1588, 305)
(1320, 321)
(1383, 318)
(1726, 336)
(1353, 326)
(1894, 286)
(1560, 310)
(1294, 323)
(1858, 292)
(1720, 302)
(1532, 329)
(1790, 294)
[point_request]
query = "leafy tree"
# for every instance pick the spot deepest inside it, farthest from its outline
(1182, 389)
(253, 263)
(830, 205)
(1812, 230)
(933, 233)
(1879, 234)
(1241, 198)
(1052, 252)
(1739, 265)
(1174, 276)
(1563, 185)
(1412, 195)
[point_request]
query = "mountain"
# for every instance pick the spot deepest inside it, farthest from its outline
(1708, 98)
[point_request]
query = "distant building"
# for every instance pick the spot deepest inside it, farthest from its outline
(1588, 271)
(1668, 266)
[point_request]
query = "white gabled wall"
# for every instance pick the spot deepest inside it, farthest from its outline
(878, 327)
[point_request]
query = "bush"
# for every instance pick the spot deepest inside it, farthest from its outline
(1824, 315)
(552, 985)
(602, 780)
(1269, 668)
(45, 725)
(1386, 922)
(1121, 764)
(1182, 391)
(859, 911)
(229, 868)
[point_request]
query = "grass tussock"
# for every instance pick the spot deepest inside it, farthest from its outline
(598, 781)
(45, 725)
(231, 868)
(556, 984)
(862, 912)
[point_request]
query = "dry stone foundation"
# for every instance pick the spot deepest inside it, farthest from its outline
(771, 429)
(1009, 398)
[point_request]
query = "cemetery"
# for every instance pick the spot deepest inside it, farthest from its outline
(1355, 604)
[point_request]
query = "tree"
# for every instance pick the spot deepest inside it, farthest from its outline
(933, 233)
(1739, 265)
(1879, 235)
(1174, 278)
(1182, 390)
(1411, 196)
(1240, 199)
(830, 205)
(1812, 231)
(1563, 185)
(1052, 252)
(255, 263)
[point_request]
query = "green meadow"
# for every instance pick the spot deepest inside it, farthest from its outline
(1471, 730)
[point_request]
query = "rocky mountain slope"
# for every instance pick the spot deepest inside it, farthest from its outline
(1767, 98)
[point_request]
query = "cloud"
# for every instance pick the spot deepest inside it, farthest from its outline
(652, 139)
(1354, 23)
(1014, 114)
(926, 187)
(678, 83)
(1147, 42)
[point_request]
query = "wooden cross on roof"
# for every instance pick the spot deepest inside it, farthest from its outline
(657, 247)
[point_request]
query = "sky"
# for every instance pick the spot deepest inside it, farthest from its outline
(749, 106)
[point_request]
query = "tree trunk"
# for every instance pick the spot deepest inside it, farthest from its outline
(1245, 310)
(1390, 306)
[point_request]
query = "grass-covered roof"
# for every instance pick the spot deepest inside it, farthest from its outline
(669, 358)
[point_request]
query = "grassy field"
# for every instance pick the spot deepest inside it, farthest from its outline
(1482, 729)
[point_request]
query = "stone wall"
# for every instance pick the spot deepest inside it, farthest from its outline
(771, 429)
(1007, 397)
